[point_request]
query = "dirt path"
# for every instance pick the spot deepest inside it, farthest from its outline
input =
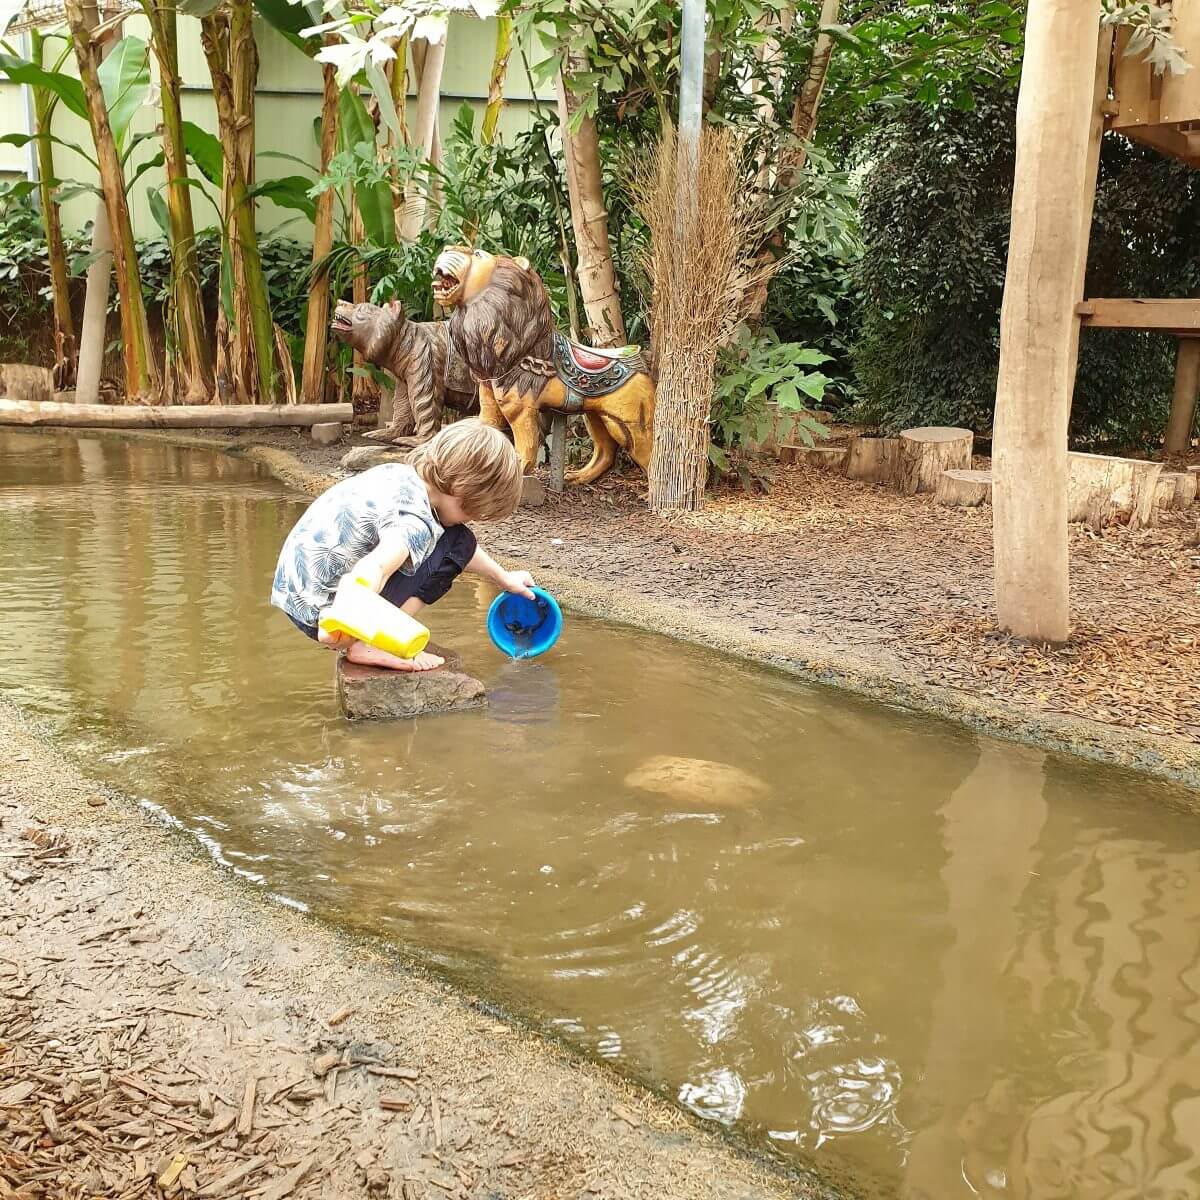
(165, 1032)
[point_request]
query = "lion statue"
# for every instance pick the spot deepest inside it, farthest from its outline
(502, 329)
(416, 353)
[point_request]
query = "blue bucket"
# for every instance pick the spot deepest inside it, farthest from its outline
(524, 628)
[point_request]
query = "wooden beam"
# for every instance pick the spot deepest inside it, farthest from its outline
(41, 413)
(1060, 122)
(1178, 317)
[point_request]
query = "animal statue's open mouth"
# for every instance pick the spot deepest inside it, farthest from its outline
(449, 275)
(341, 324)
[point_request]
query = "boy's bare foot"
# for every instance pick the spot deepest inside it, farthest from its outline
(369, 656)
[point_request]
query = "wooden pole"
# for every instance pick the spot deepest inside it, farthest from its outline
(1060, 123)
(1183, 404)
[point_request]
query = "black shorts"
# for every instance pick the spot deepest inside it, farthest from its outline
(430, 581)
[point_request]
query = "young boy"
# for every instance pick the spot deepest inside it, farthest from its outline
(403, 529)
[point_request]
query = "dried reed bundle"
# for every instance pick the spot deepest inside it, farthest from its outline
(701, 272)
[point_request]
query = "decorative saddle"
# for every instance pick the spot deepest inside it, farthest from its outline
(589, 373)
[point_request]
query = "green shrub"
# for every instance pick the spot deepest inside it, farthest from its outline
(935, 221)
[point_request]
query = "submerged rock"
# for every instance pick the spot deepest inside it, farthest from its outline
(698, 781)
(376, 694)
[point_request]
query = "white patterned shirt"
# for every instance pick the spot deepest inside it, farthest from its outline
(342, 526)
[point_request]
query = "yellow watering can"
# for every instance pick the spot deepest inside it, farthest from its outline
(368, 617)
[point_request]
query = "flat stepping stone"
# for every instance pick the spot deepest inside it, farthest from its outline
(377, 694)
(964, 489)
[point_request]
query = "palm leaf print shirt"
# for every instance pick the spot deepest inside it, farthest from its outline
(345, 524)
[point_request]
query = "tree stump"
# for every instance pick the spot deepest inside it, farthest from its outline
(925, 453)
(824, 458)
(1175, 489)
(964, 489)
(1101, 488)
(873, 460)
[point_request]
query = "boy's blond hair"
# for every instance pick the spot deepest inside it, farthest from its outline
(475, 464)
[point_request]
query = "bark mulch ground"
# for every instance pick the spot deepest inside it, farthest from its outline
(860, 567)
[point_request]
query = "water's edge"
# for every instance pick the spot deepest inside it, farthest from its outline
(1158, 757)
(41, 773)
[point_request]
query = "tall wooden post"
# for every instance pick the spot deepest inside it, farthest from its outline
(1183, 404)
(1060, 121)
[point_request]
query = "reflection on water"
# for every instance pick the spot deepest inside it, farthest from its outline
(951, 968)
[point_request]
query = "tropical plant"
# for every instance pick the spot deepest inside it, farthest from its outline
(754, 372)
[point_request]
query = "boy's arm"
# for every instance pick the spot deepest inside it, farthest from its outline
(482, 563)
(377, 567)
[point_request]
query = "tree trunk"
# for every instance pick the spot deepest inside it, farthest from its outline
(964, 489)
(56, 251)
(1059, 126)
(491, 116)
(429, 96)
(193, 362)
(589, 217)
(804, 124)
(175, 416)
(316, 328)
(250, 341)
(143, 382)
(1183, 403)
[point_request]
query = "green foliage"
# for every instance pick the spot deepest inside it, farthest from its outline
(67, 88)
(125, 82)
(754, 371)
(935, 216)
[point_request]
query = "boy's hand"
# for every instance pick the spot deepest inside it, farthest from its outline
(520, 582)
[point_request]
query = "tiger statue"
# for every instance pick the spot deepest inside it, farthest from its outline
(417, 355)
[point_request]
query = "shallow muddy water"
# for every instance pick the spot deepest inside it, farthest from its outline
(936, 965)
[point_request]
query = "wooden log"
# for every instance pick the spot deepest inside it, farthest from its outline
(1178, 439)
(1060, 124)
(925, 453)
(964, 488)
(872, 459)
(181, 416)
(1102, 489)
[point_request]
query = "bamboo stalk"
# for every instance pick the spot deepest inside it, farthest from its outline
(589, 217)
(56, 250)
(316, 328)
(193, 361)
(142, 379)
